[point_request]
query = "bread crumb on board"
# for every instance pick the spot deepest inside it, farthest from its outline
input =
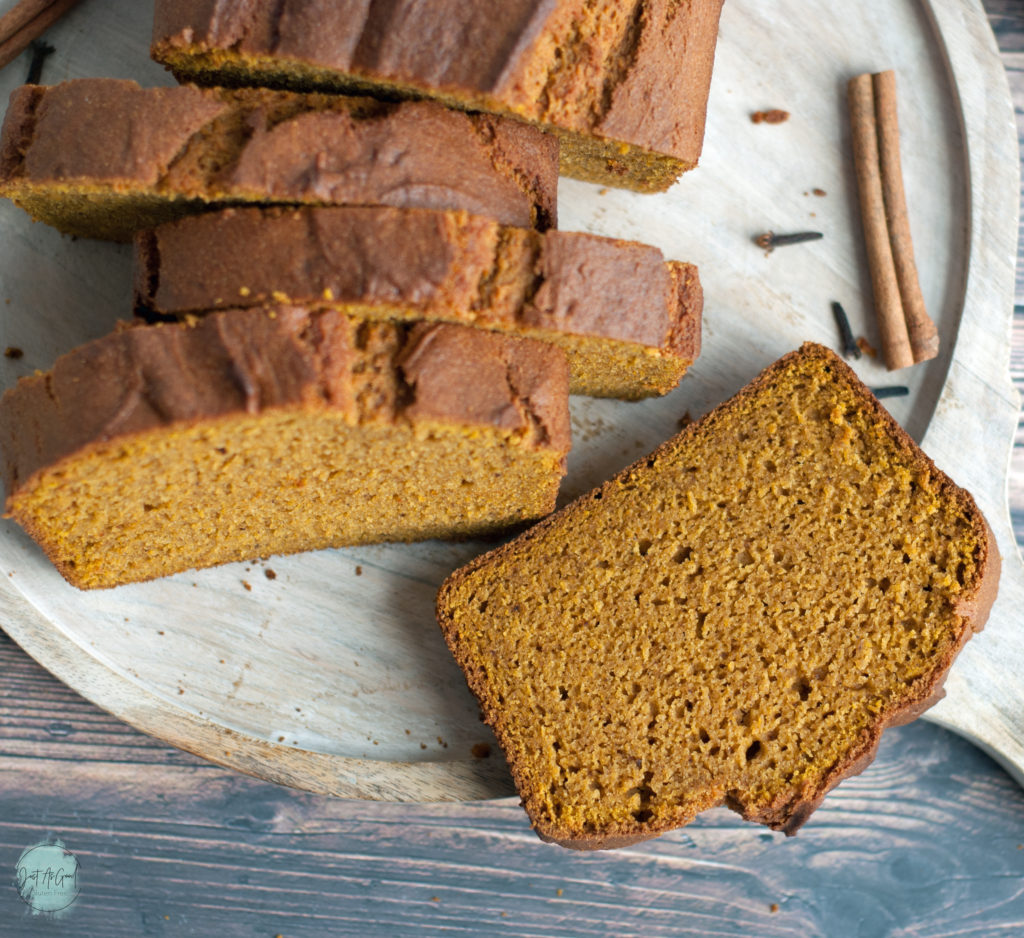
(866, 347)
(774, 116)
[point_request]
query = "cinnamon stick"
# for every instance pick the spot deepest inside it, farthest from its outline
(924, 337)
(892, 326)
(28, 20)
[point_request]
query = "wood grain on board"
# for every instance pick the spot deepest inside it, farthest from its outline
(928, 842)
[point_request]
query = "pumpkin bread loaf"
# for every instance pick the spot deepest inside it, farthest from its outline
(248, 433)
(628, 321)
(732, 620)
(102, 158)
(623, 84)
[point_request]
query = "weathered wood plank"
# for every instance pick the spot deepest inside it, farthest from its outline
(219, 853)
(42, 718)
(1015, 491)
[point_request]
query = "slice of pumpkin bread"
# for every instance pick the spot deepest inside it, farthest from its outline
(102, 158)
(628, 321)
(732, 620)
(624, 84)
(250, 432)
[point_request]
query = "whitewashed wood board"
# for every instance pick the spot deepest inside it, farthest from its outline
(332, 676)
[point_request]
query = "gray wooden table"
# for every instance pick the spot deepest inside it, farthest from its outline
(928, 842)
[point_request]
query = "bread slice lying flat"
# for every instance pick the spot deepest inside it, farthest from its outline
(103, 158)
(628, 320)
(250, 432)
(733, 620)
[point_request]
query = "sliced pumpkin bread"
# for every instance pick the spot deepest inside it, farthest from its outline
(623, 84)
(734, 619)
(628, 320)
(251, 432)
(103, 158)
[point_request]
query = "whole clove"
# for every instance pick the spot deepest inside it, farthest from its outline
(850, 347)
(40, 51)
(893, 390)
(770, 240)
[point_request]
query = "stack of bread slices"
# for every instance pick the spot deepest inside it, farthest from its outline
(355, 318)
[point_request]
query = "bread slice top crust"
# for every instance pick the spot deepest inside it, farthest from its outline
(731, 620)
(143, 378)
(628, 320)
(101, 157)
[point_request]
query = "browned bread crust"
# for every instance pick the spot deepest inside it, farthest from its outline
(519, 620)
(624, 84)
(100, 157)
(629, 321)
(136, 399)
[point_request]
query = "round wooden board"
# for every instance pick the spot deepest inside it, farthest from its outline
(332, 675)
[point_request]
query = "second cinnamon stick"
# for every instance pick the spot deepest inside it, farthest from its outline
(892, 326)
(924, 337)
(28, 20)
